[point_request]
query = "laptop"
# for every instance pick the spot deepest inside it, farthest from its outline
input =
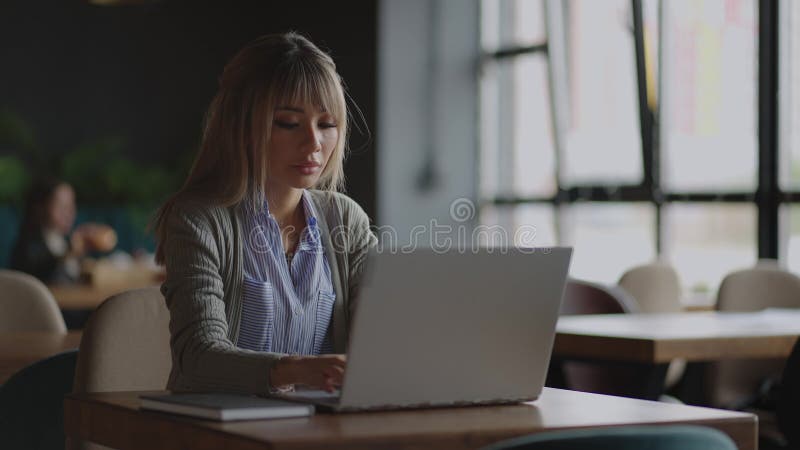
(438, 329)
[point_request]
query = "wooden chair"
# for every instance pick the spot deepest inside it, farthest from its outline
(27, 305)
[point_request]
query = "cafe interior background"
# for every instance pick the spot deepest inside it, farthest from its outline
(628, 143)
(632, 130)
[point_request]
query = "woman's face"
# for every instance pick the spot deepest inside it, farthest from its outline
(303, 139)
(61, 210)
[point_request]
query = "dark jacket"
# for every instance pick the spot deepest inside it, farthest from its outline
(31, 255)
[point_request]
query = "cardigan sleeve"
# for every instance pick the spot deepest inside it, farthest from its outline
(203, 357)
(360, 240)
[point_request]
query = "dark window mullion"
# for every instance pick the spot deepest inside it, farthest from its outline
(558, 81)
(650, 178)
(645, 115)
(768, 194)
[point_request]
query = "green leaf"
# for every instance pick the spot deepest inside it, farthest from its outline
(14, 179)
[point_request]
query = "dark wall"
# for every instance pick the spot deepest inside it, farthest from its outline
(145, 73)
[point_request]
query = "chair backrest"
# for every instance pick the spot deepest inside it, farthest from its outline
(670, 437)
(27, 305)
(585, 297)
(655, 286)
(733, 383)
(125, 345)
(765, 285)
(32, 403)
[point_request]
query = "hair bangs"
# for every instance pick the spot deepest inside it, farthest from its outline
(310, 83)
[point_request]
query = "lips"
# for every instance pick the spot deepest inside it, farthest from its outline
(307, 164)
(307, 168)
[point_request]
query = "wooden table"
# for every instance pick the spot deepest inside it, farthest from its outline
(88, 297)
(694, 336)
(104, 278)
(114, 419)
(19, 349)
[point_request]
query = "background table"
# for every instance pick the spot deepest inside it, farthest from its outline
(694, 336)
(102, 279)
(87, 297)
(114, 419)
(19, 349)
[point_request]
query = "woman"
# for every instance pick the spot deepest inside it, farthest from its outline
(263, 258)
(46, 245)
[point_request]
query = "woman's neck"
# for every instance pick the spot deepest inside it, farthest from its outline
(284, 204)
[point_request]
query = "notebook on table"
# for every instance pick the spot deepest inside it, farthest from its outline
(225, 407)
(456, 328)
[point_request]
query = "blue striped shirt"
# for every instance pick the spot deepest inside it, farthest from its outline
(287, 305)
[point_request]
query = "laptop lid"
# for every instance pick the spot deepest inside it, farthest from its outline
(435, 328)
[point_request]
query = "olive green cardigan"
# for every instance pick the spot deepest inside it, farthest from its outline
(203, 290)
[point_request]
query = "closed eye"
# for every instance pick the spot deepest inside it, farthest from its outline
(286, 125)
(327, 125)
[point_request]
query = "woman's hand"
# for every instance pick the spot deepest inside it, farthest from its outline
(319, 372)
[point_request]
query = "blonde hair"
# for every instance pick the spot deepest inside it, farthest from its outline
(232, 163)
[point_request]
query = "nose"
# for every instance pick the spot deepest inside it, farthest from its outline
(312, 141)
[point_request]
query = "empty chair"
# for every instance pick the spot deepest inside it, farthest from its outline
(656, 289)
(583, 297)
(27, 305)
(655, 286)
(32, 404)
(125, 346)
(766, 285)
(672, 437)
(734, 384)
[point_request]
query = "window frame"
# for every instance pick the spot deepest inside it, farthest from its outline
(768, 196)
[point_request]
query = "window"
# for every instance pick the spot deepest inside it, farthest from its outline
(608, 238)
(631, 128)
(603, 141)
(706, 241)
(708, 102)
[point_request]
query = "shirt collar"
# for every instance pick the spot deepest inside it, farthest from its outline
(309, 237)
(305, 199)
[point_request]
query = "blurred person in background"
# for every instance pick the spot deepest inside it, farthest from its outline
(47, 247)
